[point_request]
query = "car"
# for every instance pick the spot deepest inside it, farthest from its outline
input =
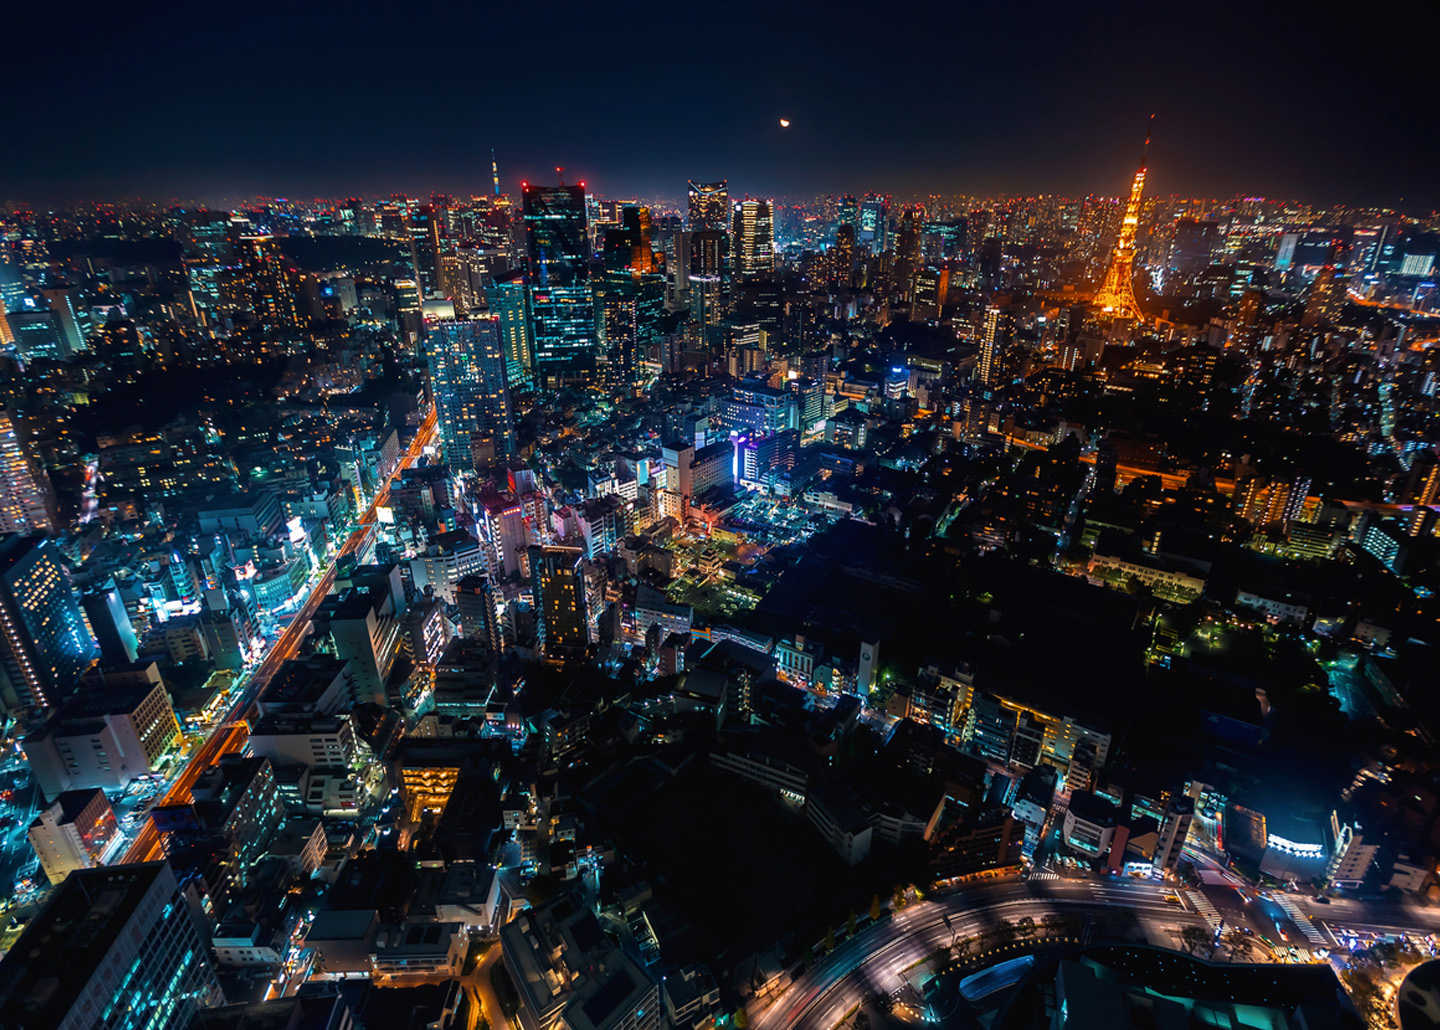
(1322, 899)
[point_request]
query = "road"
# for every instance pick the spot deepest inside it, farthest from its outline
(232, 732)
(875, 961)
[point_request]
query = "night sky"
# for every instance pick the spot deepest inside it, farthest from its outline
(1325, 101)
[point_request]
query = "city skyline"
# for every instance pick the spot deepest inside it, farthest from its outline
(898, 576)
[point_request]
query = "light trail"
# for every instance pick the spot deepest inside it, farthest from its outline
(233, 732)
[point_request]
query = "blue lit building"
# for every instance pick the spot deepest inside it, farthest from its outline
(44, 645)
(628, 310)
(472, 394)
(873, 231)
(562, 310)
(113, 949)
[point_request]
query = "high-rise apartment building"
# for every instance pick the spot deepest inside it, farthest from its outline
(44, 645)
(27, 504)
(562, 313)
(990, 365)
(271, 284)
(469, 376)
(709, 206)
(754, 239)
(112, 948)
(558, 579)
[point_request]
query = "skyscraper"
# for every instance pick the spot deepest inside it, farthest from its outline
(557, 577)
(709, 206)
(424, 237)
(873, 228)
(109, 622)
(754, 238)
(112, 948)
(270, 281)
(990, 364)
(27, 504)
(510, 301)
(468, 375)
(1325, 302)
(562, 313)
(628, 308)
(44, 646)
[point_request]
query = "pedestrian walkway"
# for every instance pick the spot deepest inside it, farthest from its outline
(1217, 877)
(1301, 920)
(1044, 874)
(1203, 906)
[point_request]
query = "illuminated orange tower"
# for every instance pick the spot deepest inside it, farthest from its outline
(1116, 296)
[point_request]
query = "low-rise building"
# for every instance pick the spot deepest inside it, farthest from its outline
(840, 820)
(1089, 824)
(103, 738)
(571, 976)
(73, 833)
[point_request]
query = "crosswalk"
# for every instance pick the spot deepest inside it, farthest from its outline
(1203, 906)
(1301, 920)
(1044, 874)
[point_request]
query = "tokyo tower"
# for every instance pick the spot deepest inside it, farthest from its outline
(1116, 296)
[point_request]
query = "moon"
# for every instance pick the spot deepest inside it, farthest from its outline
(784, 123)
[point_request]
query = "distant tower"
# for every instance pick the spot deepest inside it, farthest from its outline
(754, 236)
(709, 206)
(1116, 296)
(994, 340)
(495, 171)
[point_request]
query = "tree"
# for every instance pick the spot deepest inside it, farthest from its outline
(742, 1018)
(898, 901)
(807, 956)
(850, 924)
(1005, 930)
(1025, 927)
(829, 939)
(875, 909)
(1193, 937)
(1053, 922)
(1240, 945)
(963, 946)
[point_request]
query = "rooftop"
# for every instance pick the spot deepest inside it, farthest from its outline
(55, 958)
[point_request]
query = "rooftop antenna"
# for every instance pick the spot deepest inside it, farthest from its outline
(559, 171)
